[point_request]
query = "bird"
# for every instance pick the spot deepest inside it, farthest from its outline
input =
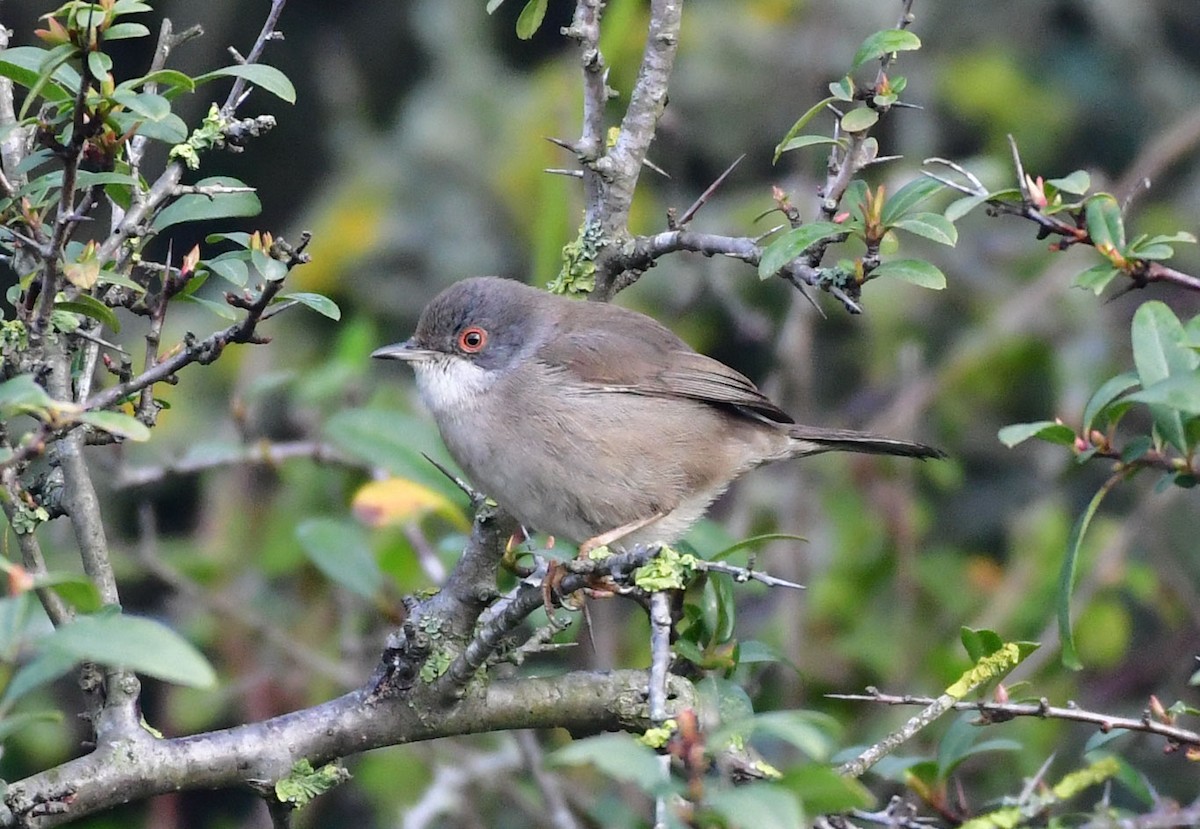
(592, 422)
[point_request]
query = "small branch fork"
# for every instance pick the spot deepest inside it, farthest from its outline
(998, 712)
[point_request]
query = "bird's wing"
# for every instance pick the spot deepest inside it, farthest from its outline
(633, 354)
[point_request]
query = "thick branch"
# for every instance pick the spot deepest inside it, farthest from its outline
(264, 752)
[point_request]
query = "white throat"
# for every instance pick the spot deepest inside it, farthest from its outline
(450, 385)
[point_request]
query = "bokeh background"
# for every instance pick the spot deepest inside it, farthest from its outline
(415, 155)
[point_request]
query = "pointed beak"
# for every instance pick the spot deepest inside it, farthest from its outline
(408, 351)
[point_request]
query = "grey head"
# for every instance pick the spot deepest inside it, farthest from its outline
(470, 336)
(485, 320)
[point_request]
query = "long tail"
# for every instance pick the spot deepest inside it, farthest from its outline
(811, 440)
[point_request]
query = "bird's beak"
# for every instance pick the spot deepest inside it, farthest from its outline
(408, 351)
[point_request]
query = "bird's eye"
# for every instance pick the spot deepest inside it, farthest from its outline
(472, 340)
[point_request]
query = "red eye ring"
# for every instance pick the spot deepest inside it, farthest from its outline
(472, 340)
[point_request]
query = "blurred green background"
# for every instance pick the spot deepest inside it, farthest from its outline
(415, 156)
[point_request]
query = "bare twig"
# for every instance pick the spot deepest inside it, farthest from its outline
(703, 198)
(260, 452)
(996, 712)
(268, 32)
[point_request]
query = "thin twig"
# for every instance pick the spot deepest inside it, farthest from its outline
(660, 660)
(995, 712)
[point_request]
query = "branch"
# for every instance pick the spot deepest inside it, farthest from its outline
(203, 352)
(585, 29)
(642, 252)
(261, 453)
(268, 32)
(615, 174)
(529, 598)
(997, 712)
(141, 766)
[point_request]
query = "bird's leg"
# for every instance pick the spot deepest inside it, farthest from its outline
(604, 539)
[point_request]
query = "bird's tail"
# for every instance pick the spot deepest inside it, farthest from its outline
(811, 440)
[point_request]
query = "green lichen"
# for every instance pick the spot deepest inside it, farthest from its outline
(578, 274)
(669, 570)
(210, 134)
(304, 783)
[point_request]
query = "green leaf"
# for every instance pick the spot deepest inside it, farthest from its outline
(884, 43)
(141, 645)
(320, 303)
(259, 74)
(530, 19)
(340, 550)
(618, 756)
(222, 310)
(790, 136)
(843, 90)
(1066, 577)
(1159, 352)
(810, 732)
(1170, 238)
(932, 226)
(76, 590)
(961, 207)
(980, 643)
(147, 104)
(754, 541)
(231, 267)
(44, 668)
(122, 31)
(900, 203)
(1097, 277)
(117, 424)
(99, 65)
(53, 61)
(960, 744)
(756, 806)
(793, 243)
(1050, 431)
(916, 271)
(89, 306)
(22, 64)
(171, 78)
(124, 7)
(1112, 388)
(859, 119)
(169, 130)
(1181, 392)
(752, 650)
(15, 722)
(197, 207)
(806, 141)
(1104, 223)
(1076, 183)
(823, 791)
(22, 393)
